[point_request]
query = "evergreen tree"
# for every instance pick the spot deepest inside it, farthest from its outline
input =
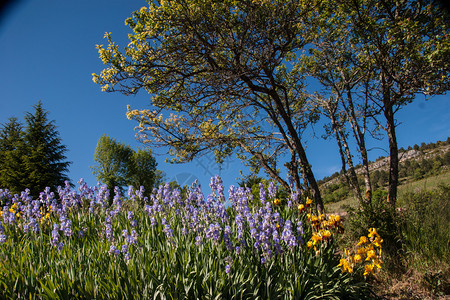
(45, 162)
(12, 152)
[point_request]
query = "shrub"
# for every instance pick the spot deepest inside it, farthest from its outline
(377, 214)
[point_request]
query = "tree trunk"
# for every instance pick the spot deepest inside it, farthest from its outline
(304, 164)
(350, 176)
(353, 178)
(310, 178)
(393, 155)
(359, 137)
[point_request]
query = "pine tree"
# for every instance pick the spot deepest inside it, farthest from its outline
(45, 162)
(12, 152)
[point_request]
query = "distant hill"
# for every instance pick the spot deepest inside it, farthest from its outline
(416, 162)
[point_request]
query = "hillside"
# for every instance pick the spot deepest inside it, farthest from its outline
(416, 163)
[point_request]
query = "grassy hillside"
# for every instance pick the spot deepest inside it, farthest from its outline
(407, 186)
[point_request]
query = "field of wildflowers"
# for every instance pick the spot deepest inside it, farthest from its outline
(72, 244)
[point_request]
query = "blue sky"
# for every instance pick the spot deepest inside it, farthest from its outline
(47, 53)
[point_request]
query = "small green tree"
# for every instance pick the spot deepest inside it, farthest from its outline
(118, 165)
(112, 159)
(45, 161)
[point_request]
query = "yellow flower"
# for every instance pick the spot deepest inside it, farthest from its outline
(308, 202)
(362, 240)
(309, 244)
(13, 208)
(301, 207)
(371, 254)
(368, 269)
(345, 265)
(377, 263)
(357, 258)
(316, 238)
(276, 201)
(326, 234)
(372, 232)
(377, 242)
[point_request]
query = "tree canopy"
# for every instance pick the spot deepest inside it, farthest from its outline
(375, 57)
(218, 76)
(231, 76)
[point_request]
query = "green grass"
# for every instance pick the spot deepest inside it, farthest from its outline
(425, 184)
(407, 186)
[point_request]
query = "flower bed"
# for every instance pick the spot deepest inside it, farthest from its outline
(73, 245)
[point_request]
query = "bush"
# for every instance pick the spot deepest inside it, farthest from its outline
(377, 214)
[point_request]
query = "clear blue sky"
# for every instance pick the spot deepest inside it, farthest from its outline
(47, 53)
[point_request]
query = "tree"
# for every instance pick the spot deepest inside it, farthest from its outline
(113, 160)
(12, 155)
(405, 46)
(227, 73)
(334, 63)
(118, 165)
(45, 162)
(142, 170)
